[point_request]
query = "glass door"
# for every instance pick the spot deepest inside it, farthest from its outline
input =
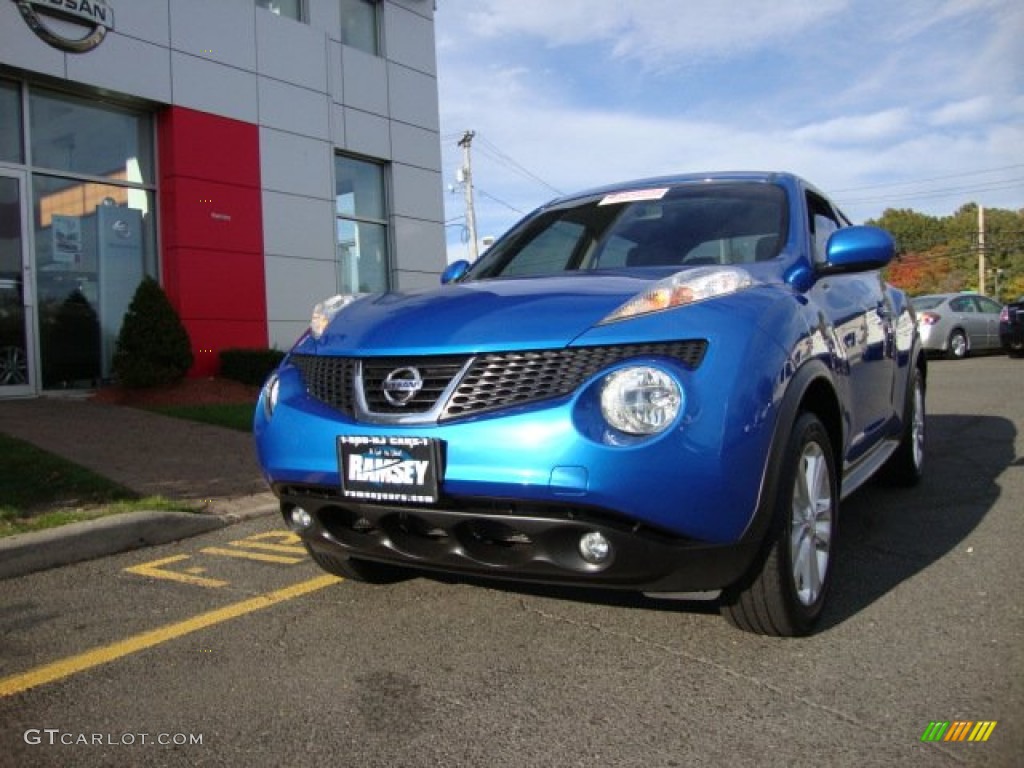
(17, 352)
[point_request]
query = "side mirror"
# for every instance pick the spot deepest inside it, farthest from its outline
(857, 249)
(454, 271)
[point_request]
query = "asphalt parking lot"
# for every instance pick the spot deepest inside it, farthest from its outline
(231, 648)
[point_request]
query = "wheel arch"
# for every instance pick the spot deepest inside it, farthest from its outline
(812, 389)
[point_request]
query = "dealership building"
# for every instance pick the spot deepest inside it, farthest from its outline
(254, 156)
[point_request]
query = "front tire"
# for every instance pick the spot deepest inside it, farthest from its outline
(785, 590)
(365, 571)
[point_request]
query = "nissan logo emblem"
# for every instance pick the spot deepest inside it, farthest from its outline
(48, 18)
(401, 385)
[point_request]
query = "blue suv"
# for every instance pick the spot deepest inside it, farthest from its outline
(664, 386)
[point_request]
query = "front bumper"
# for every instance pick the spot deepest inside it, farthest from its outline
(532, 543)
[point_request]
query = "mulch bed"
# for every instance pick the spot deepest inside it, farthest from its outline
(208, 391)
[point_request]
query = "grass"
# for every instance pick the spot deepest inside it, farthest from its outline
(233, 415)
(39, 490)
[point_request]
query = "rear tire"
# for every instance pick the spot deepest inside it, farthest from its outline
(785, 590)
(365, 571)
(957, 348)
(906, 466)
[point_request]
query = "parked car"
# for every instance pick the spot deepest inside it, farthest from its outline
(13, 360)
(664, 386)
(957, 324)
(1011, 328)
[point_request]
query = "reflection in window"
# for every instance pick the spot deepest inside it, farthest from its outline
(93, 244)
(10, 122)
(359, 25)
(77, 136)
(291, 9)
(361, 226)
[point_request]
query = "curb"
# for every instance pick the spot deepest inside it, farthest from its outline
(26, 553)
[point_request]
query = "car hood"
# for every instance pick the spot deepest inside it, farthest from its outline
(524, 313)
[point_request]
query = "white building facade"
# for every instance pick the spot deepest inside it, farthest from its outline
(254, 156)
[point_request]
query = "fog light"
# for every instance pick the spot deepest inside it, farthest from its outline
(301, 519)
(595, 548)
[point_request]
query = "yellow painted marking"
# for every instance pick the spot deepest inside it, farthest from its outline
(155, 569)
(58, 670)
(258, 556)
(256, 542)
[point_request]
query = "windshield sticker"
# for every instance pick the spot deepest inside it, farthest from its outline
(633, 196)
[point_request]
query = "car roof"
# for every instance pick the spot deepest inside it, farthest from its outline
(764, 177)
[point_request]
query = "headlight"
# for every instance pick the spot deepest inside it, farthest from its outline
(682, 288)
(325, 311)
(641, 400)
(271, 390)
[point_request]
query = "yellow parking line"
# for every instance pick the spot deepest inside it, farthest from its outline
(57, 670)
(155, 569)
(258, 556)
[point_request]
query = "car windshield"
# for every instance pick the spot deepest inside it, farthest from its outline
(689, 225)
(927, 302)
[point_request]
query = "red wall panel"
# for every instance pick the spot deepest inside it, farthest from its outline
(211, 227)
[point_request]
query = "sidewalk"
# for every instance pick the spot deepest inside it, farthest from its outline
(147, 452)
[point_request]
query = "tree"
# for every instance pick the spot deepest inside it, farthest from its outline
(153, 347)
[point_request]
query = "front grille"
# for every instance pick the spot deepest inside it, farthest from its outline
(329, 379)
(510, 378)
(493, 380)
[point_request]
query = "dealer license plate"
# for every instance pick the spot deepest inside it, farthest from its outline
(389, 468)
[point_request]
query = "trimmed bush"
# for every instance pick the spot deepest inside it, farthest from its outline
(249, 366)
(153, 347)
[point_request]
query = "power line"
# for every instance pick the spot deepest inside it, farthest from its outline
(489, 196)
(934, 178)
(937, 193)
(495, 153)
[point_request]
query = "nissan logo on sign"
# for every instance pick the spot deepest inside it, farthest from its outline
(57, 21)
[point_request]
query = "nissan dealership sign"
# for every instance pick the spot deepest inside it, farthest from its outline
(75, 26)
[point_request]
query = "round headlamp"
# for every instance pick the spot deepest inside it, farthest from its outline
(641, 400)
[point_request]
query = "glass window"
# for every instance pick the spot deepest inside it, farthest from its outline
(10, 123)
(359, 25)
(93, 244)
(76, 136)
(823, 223)
(685, 225)
(291, 9)
(362, 226)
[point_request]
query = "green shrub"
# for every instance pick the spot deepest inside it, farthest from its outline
(249, 366)
(153, 348)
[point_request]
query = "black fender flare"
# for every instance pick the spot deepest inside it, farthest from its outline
(813, 382)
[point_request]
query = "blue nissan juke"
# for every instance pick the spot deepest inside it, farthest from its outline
(664, 386)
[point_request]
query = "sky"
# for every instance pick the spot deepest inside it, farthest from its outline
(881, 104)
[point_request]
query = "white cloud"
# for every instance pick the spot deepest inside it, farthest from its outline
(652, 30)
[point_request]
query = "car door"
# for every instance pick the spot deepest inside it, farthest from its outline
(861, 314)
(966, 315)
(990, 310)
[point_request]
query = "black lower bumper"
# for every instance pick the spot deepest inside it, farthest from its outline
(506, 540)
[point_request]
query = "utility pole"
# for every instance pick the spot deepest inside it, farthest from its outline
(981, 249)
(467, 180)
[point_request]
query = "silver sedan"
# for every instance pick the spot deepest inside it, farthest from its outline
(957, 324)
